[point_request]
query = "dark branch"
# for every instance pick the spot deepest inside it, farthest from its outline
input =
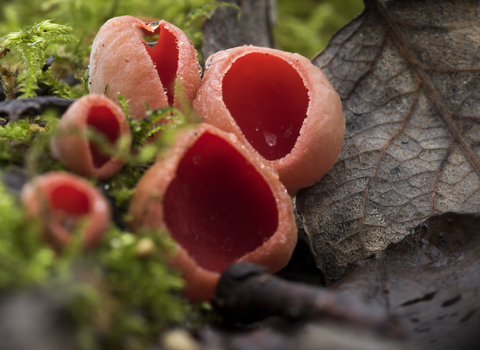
(247, 293)
(15, 109)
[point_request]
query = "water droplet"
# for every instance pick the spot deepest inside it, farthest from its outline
(233, 138)
(274, 172)
(208, 64)
(256, 129)
(199, 68)
(270, 138)
(220, 55)
(154, 25)
(197, 159)
(288, 132)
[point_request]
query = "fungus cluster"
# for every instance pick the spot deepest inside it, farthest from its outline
(272, 124)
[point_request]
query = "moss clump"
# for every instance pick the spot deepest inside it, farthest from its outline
(121, 295)
(17, 139)
(24, 260)
(136, 294)
(32, 44)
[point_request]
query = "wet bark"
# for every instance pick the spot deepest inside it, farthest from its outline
(225, 30)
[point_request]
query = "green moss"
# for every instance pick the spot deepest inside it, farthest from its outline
(24, 260)
(142, 293)
(16, 140)
(37, 158)
(32, 44)
(121, 293)
(18, 131)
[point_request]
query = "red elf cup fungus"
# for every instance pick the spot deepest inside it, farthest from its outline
(71, 145)
(220, 204)
(64, 204)
(280, 105)
(121, 62)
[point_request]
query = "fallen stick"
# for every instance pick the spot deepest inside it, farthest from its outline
(15, 109)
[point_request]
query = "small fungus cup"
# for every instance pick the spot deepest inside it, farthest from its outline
(80, 152)
(64, 204)
(280, 105)
(220, 204)
(162, 74)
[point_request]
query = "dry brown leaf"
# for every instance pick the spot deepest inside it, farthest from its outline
(408, 75)
(428, 283)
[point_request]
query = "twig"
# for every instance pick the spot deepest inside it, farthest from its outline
(14, 109)
(247, 293)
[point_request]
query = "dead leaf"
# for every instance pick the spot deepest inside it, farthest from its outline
(408, 75)
(429, 282)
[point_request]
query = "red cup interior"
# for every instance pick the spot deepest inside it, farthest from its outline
(268, 100)
(218, 207)
(164, 55)
(102, 119)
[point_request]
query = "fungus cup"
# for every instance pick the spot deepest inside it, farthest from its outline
(65, 204)
(219, 203)
(71, 145)
(121, 62)
(280, 105)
